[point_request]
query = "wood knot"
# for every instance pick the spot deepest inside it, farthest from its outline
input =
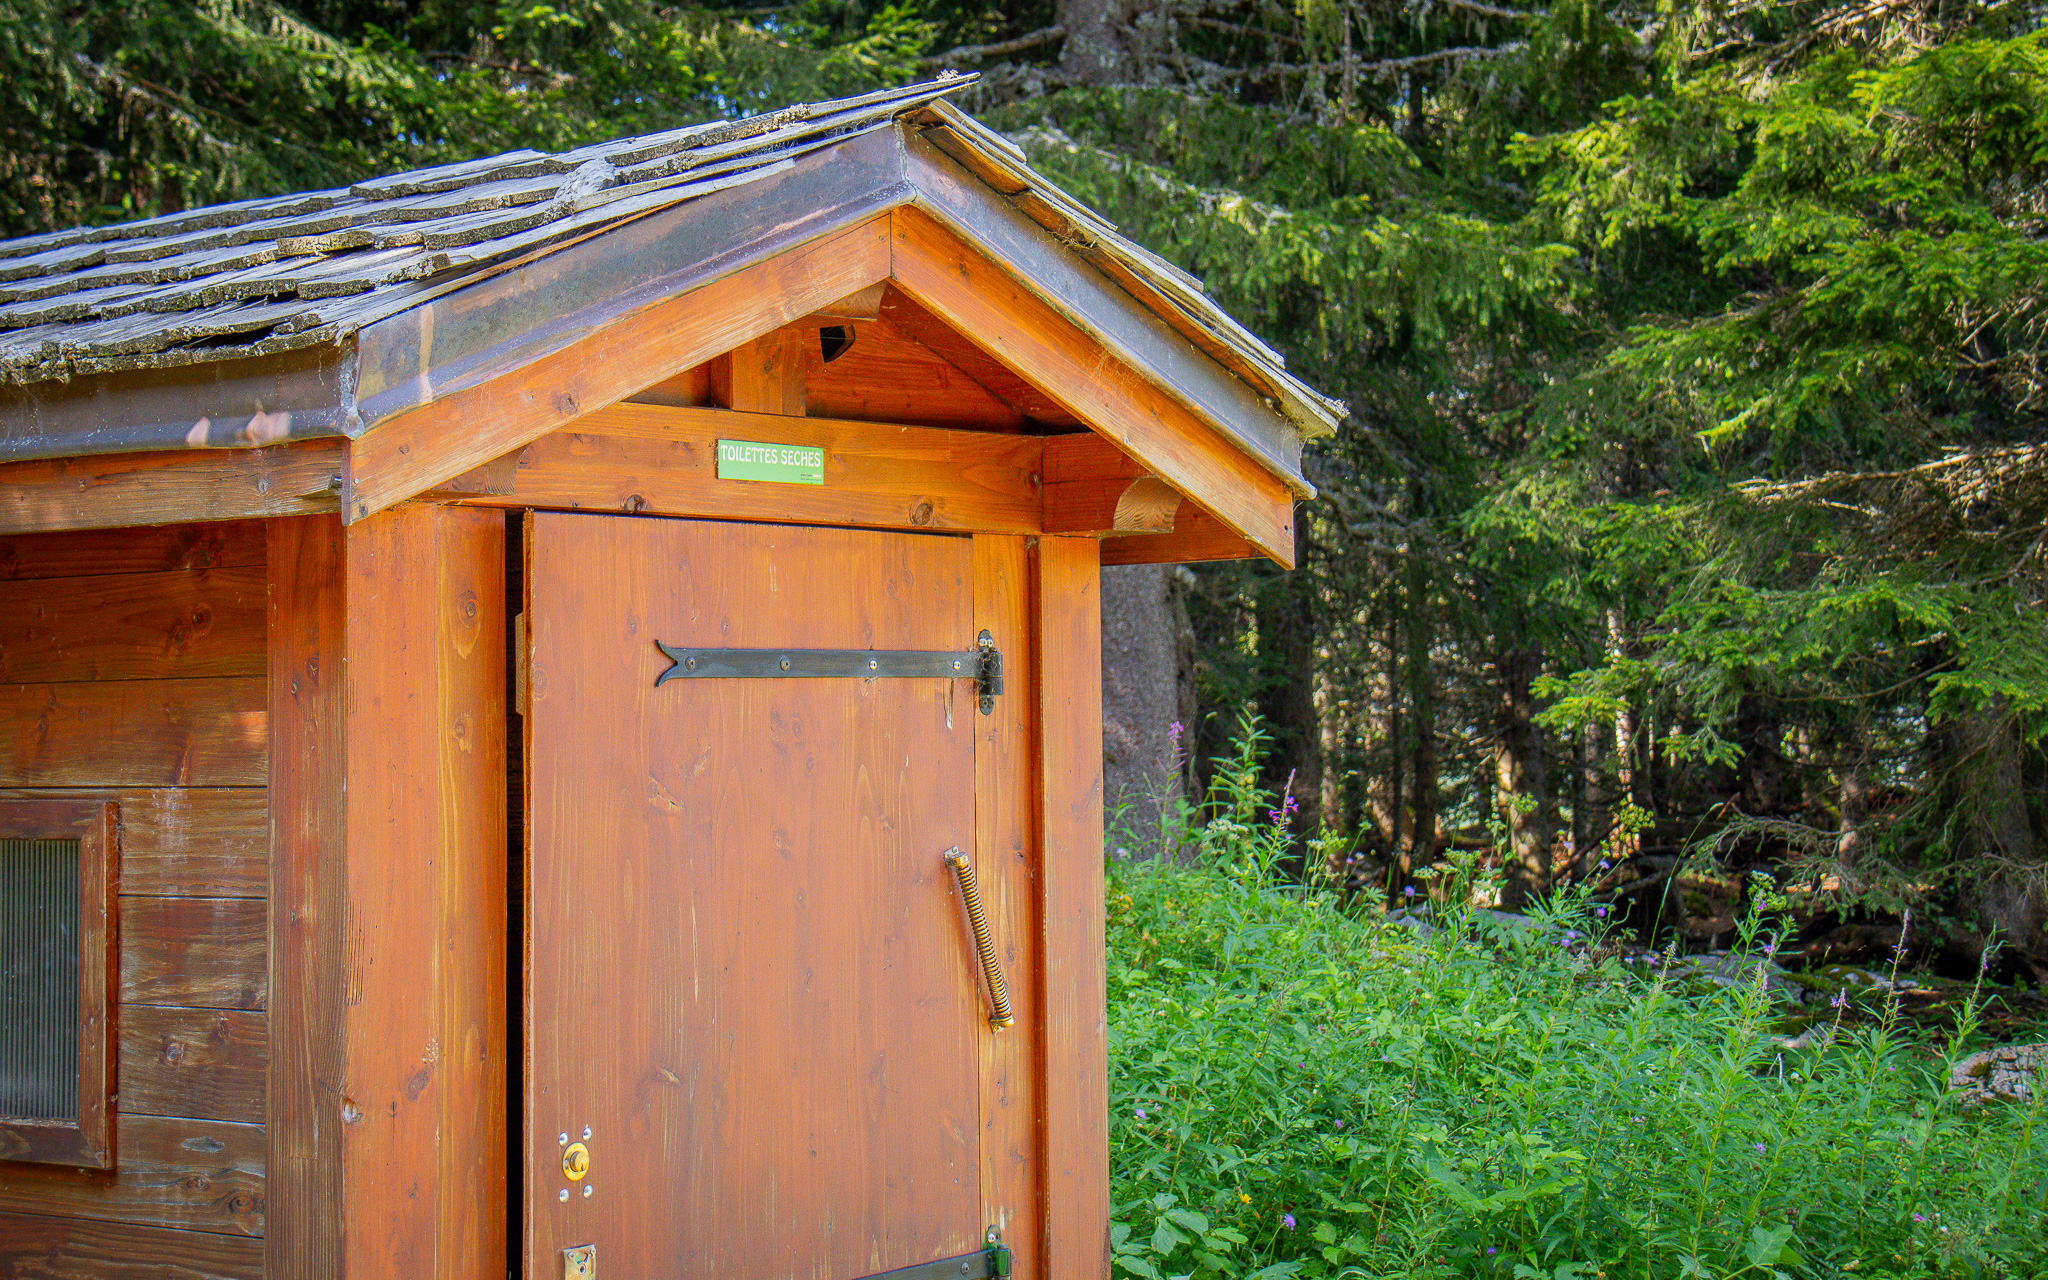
(921, 514)
(633, 505)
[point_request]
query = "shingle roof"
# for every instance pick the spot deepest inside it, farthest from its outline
(270, 275)
(292, 271)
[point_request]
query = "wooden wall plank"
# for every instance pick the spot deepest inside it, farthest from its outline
(768, 374)
(1069, 633)
(655, 459)
(216, 545)
(308, 898)
(889, 376)
(204, 1063)
(133, 626)
(144, 733)
(176, 486)
(199, 842)
(964, 288)
(204, 953)
(424, 1061)
(33, 1247)
(198, 1174)
(1012, 1092)
(389, 671)
(410, 452)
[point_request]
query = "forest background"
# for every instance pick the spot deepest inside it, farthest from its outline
(1691, 511)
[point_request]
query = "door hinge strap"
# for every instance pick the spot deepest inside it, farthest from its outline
(982, 664)
(980, 1265)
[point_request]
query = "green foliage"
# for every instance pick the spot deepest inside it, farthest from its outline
(1298, 1090)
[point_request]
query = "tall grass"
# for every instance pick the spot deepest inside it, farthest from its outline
(1299, 1090)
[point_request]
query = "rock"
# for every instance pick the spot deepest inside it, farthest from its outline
(2008, 1073)
(1733, 969)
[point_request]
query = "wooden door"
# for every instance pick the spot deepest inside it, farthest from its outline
(748, 973)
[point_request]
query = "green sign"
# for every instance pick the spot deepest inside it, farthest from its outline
(780, 463)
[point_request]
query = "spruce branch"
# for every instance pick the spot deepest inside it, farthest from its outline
(1001, 48)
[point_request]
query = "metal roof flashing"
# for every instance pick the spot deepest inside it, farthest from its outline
(322, 314)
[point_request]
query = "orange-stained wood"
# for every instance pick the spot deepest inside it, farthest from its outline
(133, 733)
(767, 374)
(108, 490)
(413, 451)
(888, 376)
(749, 973)
(225, 545)
(659, 460)
(201, 842)
(1012, 1092)
(202, 953)
(76, 1249)
(1196, 536)
(424, 1053)
(198, 1174)
(1144, 505)
(925, 329)
(1070, 783)
(133, 626)
(206, 1063)
(309, 905)
(387, 1066)
(982, 302)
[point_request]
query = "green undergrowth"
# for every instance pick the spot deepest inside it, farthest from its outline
(1298, 1089)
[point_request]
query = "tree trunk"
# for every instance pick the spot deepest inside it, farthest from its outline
(1521, 782)
(1286, 699)
(1422, 838)
(1111, 42)
(1993, 774)
(1147, 690)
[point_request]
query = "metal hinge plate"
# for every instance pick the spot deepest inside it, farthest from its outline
(982, 664)
(979, 1265)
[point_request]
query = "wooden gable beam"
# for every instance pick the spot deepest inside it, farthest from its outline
(419, 449)
(983, 301)
(658, 460)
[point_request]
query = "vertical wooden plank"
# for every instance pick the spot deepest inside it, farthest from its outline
(387, 1063)
(423, 1058)
(473, 886)
(308, 903)
(768, 374)
(1013, 1160)
(1076, 997)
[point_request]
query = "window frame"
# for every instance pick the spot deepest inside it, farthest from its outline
(88, 1141)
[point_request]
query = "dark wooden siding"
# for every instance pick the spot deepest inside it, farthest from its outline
(132, 665)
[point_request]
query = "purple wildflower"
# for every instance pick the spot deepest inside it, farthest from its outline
(1601, 912)
(1919, 1217)
(1490, 1251)
(1340, 1124)
(1139, 1113)
(1287, 1221)
(1759, 1146)
(1407, 890)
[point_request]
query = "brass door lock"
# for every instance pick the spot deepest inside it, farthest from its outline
(575, 1161)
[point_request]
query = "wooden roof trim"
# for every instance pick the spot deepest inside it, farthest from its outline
(1177, 297)
(983, 300)
(1118, 321)
(100, 491)
(424, 446)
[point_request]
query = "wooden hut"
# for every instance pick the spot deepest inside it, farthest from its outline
(497, 664)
